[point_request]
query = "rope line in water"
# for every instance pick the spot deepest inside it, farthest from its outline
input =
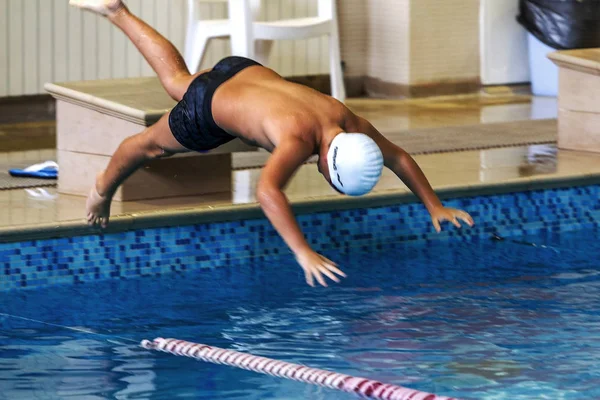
(67, 327)
(362, 387)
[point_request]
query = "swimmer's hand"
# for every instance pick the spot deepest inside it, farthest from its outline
(315, 266)
(441, 214)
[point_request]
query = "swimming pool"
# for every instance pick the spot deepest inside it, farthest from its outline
(459, 315)
(483, 320)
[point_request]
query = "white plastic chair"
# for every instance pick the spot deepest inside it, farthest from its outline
(253, 39)
(200, 32)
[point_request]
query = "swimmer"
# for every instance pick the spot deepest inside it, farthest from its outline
(239, 98)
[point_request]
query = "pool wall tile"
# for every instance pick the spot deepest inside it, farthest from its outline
(157, 251)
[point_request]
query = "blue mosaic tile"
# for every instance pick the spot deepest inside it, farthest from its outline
(169, 250)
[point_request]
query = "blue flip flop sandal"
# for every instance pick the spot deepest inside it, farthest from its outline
(45, 170)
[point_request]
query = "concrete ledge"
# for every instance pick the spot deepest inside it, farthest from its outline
(139, 100)
(583, 60)
(201, 215)
(578, 99)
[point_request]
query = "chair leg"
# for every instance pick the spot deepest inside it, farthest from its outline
(338, 89)
(262, 51)
(190, 44)
(240, 18)
(196, 51)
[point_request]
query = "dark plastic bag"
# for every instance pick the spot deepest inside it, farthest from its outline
(562, 24)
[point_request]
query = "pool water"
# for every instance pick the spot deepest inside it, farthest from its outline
(489, 320)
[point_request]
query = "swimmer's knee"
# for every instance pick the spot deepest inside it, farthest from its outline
(149, 146)
(155, 151)
(175, 93)
(162, 153)
(177, 85)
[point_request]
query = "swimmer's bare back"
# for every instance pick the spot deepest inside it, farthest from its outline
(261, 107)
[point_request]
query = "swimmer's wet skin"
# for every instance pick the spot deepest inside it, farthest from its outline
(239, 98)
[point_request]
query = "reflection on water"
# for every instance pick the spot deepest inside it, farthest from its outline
(518, 162)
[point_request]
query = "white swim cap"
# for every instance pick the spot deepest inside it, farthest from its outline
(355, 163)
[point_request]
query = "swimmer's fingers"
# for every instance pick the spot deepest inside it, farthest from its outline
(456, 223)
(450, 215)
(317, 274)
(328, 267)
(436, 225)
(309, 277)
(466, 218)
(317, 267)
(333, 268)
(325, 271)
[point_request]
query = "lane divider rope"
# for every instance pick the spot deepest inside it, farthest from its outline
(362, 387)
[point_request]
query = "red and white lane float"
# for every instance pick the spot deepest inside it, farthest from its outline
(362, 387)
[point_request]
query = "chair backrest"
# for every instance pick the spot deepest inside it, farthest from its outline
(194, 10)
(255, 7)
(327, 8)
(242, 13)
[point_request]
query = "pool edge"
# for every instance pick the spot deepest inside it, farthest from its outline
(199, 215)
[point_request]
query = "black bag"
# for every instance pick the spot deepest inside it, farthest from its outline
(562, 24)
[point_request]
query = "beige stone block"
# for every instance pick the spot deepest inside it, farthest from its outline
(84, 130)
(578, 130)
(93, 119)
(162, 178)
(579, 91)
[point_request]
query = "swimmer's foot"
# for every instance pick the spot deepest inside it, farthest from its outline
(103, 7)
(97, 207)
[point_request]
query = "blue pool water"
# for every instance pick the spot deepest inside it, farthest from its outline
(486, 320)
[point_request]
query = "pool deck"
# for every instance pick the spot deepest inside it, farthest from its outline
(32, 214)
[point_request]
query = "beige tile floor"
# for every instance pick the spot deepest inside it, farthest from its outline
(453, 170)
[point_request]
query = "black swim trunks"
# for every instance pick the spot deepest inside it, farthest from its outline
(191, 120)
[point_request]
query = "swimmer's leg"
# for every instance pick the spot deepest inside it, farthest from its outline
(162, 56)
(154, 142)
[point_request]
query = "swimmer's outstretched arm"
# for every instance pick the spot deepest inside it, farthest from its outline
(409, 172)
(283, 163)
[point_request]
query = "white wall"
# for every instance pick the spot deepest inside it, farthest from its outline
(444, 42)
(47, 40)
(389, 41)
(504, 52)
